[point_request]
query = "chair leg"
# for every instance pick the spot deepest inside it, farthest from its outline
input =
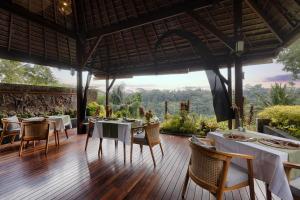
(162, 151)
(66, 132)
(12, 139)
(1, 139)
(33, 143)
(268, 192)
(251, 188)
(131, 147)
(86, 142)
(186, 180)
(141, 147)
(55, 139)
(57, 136)
(21, 147)
(100, 147)
(124, 149)
(152, 155)
(46, 149)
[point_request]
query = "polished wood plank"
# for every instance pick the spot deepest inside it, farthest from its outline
(68, 172)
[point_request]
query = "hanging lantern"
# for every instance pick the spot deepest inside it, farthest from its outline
(65, 6)
(72, 71)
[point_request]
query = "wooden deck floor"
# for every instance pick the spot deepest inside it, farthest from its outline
(68, 172)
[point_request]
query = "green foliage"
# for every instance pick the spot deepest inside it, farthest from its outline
(290, 58)
(118, 94)
(191, 124)
(280, 95)
(125, 105)
(18, 73)
(93, 108)
(286, 118)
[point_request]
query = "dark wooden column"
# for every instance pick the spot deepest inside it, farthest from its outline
(106, 92)
(80, 111)
(237, 9)
(229, 78)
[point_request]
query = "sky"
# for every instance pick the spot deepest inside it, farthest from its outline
(265, 74)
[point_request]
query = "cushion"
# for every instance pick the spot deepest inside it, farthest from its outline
(13, 126)
(295, 187)
(197, 141)
(236, 175)
(140, 138)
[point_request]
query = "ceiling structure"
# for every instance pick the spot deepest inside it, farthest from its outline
(117, 37)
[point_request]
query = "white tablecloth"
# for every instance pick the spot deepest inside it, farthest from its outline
(61, 121)
(268, 165)
(124, 130)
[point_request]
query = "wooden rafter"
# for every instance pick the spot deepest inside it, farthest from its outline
(92, 50)
(23, 12)
(265, 18)
(153, 16)
(212, 29)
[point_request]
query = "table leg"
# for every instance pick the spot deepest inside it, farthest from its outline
(268, 192)
(124, 149)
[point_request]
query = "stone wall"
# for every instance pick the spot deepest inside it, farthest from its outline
(39, 99)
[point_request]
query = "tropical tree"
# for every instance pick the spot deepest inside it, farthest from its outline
(281, 95)
(118, 94)
(290, 58)
(19, 73)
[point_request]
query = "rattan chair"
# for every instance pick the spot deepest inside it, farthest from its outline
(34, 130)
(146, 135)
(294, 184)
(91, 124)
(213, 171)
(11, 128)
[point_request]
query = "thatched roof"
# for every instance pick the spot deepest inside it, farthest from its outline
(126, 31)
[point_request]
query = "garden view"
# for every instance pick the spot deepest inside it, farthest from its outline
(280, 103)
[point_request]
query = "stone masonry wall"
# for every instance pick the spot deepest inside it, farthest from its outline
(38, 99)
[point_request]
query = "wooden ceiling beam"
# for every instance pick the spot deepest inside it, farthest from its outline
(92, 50)
(212, 29)
(265, 18)
(23, 12)
(153, 16)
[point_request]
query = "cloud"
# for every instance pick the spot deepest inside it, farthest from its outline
(280, 78)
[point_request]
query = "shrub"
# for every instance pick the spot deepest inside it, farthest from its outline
(191, 124)
(286, 118)
(93, 108)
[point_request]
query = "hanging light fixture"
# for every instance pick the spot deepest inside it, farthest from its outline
(65, 6)
(72, 71)
(239, 46)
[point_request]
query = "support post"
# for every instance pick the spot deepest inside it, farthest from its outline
(237, 10)
(229, 78)
(79, 101)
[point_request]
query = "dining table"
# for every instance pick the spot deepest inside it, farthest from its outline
(117, 130)
(61, 122)
(268, 163)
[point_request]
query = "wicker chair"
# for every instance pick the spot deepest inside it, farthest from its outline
(213, 171)
(34, 130)
(149, 135)
(294, 184)
(91, 124)
(11, 128)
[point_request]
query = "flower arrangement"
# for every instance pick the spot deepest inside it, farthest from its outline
(148, 116)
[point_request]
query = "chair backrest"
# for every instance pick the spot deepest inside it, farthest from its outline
(152, 133)
(10, 123)
(35, 130)
(208, 168)
(91, 125)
